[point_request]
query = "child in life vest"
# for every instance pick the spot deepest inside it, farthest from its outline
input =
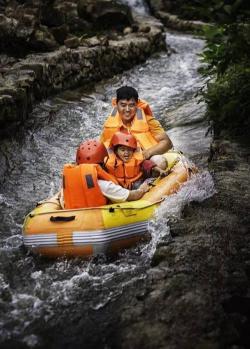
(87, 184)
(126, 163)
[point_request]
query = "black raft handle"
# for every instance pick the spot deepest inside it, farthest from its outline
(62, 219)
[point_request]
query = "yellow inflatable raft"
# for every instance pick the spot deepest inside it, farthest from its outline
(51, 231)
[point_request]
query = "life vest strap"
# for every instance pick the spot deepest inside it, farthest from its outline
(114, 111)
(139, 114)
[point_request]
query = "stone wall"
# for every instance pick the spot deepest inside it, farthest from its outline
(44, 25)
(168, 12)
(81, 60)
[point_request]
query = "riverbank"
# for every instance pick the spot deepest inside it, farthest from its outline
(197, 289)
(163, 11)
(50, 48)
(24, 81)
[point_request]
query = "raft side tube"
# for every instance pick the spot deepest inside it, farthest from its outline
(98, 240)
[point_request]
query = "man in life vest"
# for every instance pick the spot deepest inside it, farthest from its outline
(135, 116)
(126, 163)
(87, 184)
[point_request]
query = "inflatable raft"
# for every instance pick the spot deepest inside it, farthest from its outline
(51, 231)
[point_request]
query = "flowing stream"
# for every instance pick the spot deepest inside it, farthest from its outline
(44, 301)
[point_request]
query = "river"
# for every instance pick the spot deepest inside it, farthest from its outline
(65, 303)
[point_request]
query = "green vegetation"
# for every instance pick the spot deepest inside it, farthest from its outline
(227, 98)
(227, 63)
(226, 59)
(217, 11)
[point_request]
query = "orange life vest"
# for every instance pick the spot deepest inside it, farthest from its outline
(139, 127)
(126, 173)
(80, 185)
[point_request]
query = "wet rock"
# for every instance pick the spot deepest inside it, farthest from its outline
(135, 27)
(21, 25)
(144, 29)
(43, 40)
(127, 30)
(37, 68)
(60, 33)
(174, 22)
(7, 109)
(105, 13)
(72, 42)
(29, 19)
(5, 293)
(91, 42)
(16, 36)
(164, 253)
(77, 24)
(167, 11)
(157, 274)
(52, 16)
(7, 26)
(73, 21)
(6, 61)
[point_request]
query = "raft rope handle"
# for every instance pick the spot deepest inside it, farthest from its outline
(32, 215)
(62, 218)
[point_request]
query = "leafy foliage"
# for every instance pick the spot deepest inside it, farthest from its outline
(228, 102)
(225, 46)
(218, 11)
(227, 62)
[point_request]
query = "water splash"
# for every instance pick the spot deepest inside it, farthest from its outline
(199, 188)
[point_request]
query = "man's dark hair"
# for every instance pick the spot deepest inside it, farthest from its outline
(126, 92)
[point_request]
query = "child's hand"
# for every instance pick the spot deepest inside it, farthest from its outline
(144, 187)
(150, 181)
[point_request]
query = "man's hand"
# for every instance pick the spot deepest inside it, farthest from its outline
(146, 154)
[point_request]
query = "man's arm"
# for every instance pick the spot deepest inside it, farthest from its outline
(159, 134)
(164, 144)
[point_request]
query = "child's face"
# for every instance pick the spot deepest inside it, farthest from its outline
(124, 153)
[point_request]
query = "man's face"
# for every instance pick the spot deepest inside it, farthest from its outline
(127, 109)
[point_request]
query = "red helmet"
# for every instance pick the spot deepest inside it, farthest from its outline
(91, 151)
(121, 138)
